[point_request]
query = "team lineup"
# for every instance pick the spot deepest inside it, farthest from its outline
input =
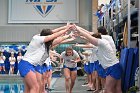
(99, 60)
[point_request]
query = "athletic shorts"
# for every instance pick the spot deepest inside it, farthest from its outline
(25, 67)
(87, 69)
(13, 65)
(115, 71)
(46, 68)
(39, 69)
(96, 63)
(71, 69)
(93, 66)
(2, 64)
(101, 71)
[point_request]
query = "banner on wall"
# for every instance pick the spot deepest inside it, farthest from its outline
(43, 11)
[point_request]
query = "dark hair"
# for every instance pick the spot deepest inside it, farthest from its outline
(46, 32)
(97, 35)
(67, 49)
(102, 5)
(132, 2)
(102, 30)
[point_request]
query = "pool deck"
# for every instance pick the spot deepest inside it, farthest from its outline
(57, 83)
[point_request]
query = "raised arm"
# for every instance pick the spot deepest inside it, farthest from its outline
(88, 36)
(67, 40)
(91, 33)
(57, 34)
(59, 29)
(55, 53)
(59, 40)
(84, 45)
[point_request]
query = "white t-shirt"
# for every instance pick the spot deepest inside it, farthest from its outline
(103, 9)
(35, 50)
(67, 59)
(19, 58)
(86, 58)
(106, 54)
(48, 61)
(110, 40)
(2, 59)
(92, 54)
(12, 60)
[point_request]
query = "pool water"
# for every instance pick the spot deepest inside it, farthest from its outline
(11, 88)
(14, 83)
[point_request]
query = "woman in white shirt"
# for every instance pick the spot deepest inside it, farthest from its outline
(70, 58)
(2, 59)
(36, 54)
(12, 61)
(47, 75)
(91, 66)
(45, 69)
(108, 60)
(19, 58)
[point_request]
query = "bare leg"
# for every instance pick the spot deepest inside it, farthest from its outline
(3, 68)
(26, 89)
(49, 78)
(67, 79)
(103, 82)
(98, 85)
(39, 80)
(10, 72)
(12, 69)
(118, 86)
(0, 68)
(93, 80)
(45, 77)
(110, 84)
(90, 84)
(31, 81)
(73, 75)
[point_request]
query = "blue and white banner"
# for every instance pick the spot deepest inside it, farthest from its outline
(43, 11)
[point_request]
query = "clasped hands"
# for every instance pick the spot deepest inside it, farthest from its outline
(72, 30)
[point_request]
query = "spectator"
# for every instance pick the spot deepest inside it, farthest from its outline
(2, 59)
(19, 58)
(12, 61)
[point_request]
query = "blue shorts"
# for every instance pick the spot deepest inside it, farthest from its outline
(96, 63)
(25, 67)
(47, 68)
(2, 64)
(87, 69)
(71, 69)
(101, 71)
(92, 67)
(115, 71)
(39, 69)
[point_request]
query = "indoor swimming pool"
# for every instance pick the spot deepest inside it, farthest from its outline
(11, 88)
(11, 84)
(14, 83)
